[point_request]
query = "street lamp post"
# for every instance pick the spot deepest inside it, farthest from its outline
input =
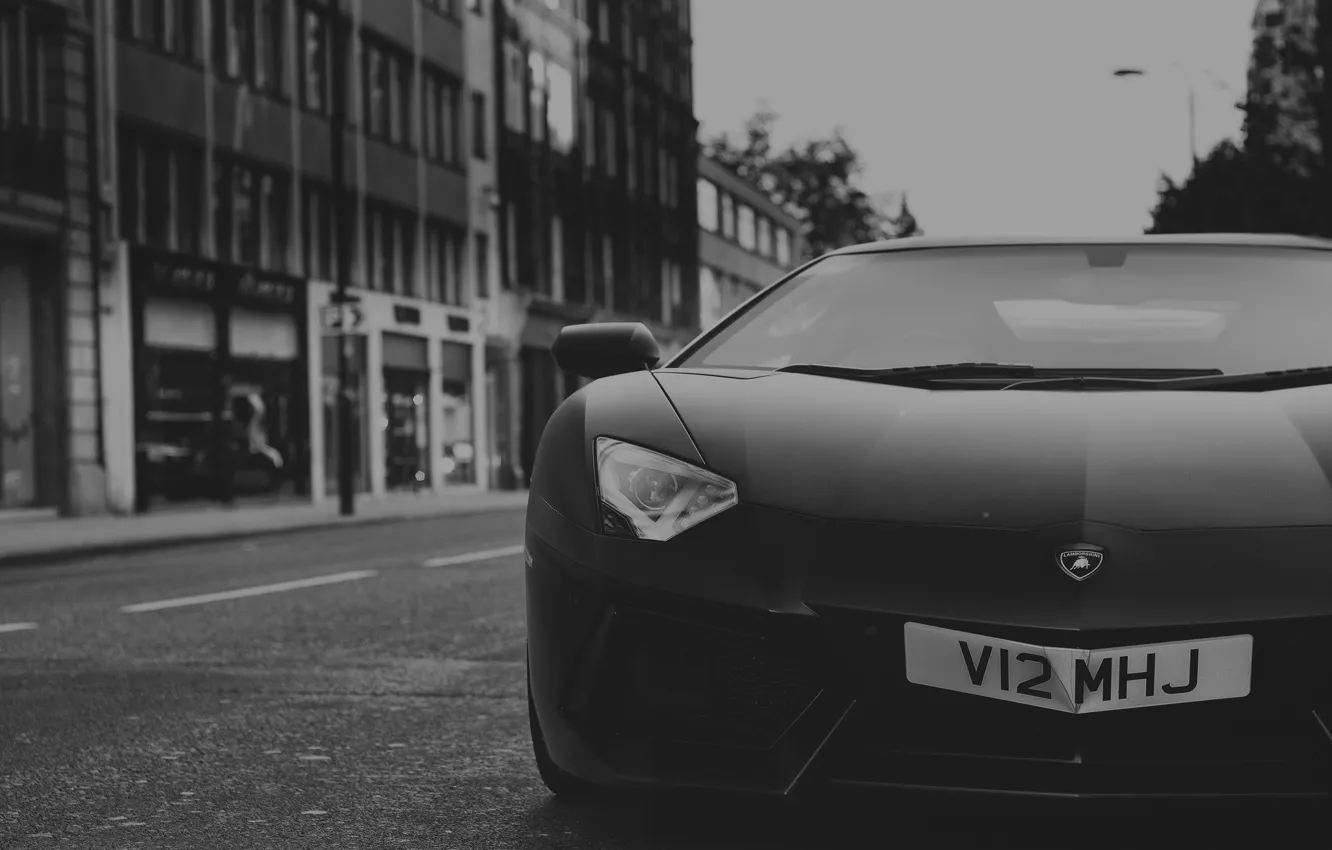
(1193, 110)
(343, 219)
(1196, 205)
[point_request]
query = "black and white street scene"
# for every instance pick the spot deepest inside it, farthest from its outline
(635, 424)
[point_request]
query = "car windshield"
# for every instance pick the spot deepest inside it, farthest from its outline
(1236, 309)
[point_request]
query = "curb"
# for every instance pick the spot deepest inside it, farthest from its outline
(45, 557)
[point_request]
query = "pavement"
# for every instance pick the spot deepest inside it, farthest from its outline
(350, 687)
(27, 541)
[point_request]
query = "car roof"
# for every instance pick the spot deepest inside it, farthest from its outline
(1233, 240)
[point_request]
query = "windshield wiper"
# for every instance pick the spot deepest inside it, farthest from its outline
(1253, 382)
(917, 374)
(994, 374)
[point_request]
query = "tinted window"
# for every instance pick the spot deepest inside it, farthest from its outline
(1236, 309)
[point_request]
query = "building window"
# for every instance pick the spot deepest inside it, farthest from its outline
(589, 139)
(251, 208)
(444, 269)
(316, 55)
(169, 26)
(319, 232)
(745, 222)
(510, 244)
(556, 258)
(479, 124)
(448, 8)
(270, 69)
(607, 293)
(707, 205)
(161, 191)
(274, 222)
(728, 215)
(481, 261)
(709, 298)
(561, 107)
(380, 248)
(515, 104)
(536, 65)
(440, 110)
(783, 246)
(608, 146)
(603, 21)
(764, 236)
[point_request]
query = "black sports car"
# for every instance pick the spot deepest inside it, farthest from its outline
(1038, 517)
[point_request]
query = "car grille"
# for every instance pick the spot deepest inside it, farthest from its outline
(670, 679)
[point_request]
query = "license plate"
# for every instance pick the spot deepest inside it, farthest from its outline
(1079, 681)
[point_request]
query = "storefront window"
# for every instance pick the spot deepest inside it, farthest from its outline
(406, 422)
(220, 383)
(261, 404)
(176, 445)
(459, 458)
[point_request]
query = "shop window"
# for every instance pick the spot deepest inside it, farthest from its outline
(765, 236)
(263, 402)
(727, 215)
(177, 445)
(783, 246)
(406, 414)
(459, 451)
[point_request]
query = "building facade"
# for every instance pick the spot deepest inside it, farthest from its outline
(596, 152)
(225, 353)
(51, 454)
(1279, 25)
(745, 241)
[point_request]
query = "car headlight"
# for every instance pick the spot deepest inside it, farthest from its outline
(650, 496)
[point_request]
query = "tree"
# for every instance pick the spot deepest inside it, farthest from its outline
(814, 180)
(1235, 191)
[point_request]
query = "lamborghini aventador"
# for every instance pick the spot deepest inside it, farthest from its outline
(1037, 517)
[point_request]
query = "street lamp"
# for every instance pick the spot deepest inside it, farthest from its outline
(1131, 71)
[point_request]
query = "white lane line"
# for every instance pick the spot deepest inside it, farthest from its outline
(470, 557)
(16, 627)
(259, 590)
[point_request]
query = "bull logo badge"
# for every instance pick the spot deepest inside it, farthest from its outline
(1081, 563)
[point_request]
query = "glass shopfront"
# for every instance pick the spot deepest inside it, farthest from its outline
(406, 422)
(220, 382)
(456, 391)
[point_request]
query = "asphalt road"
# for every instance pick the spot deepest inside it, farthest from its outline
(346, 688)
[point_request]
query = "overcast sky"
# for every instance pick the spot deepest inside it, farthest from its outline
(997, 116)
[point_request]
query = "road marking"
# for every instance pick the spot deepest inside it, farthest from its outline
(259, 590)
(16, 627)
(471, 557)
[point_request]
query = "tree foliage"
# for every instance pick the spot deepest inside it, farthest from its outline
(814, 180)
(1278, 179)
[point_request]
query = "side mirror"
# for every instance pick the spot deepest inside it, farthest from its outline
(605, 348)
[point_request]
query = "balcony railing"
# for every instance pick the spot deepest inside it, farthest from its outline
(31, 159)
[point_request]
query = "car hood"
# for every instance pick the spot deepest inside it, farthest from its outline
(1149, 461)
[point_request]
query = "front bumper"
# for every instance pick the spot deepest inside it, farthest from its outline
(645, 686)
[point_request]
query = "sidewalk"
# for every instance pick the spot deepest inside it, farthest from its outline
(32, 541)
